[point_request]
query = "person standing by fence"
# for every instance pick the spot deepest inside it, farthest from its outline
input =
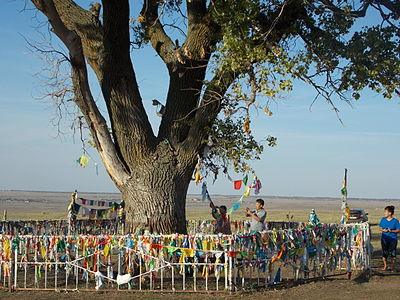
(258, 216)
(390, 227)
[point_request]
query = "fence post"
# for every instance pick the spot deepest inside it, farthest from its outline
(162, 274)
(230, 268)
(226, 269)
(10, 272)
(15, 267)
(206, 266)
(184, 275)
(35, 257)
(76, 266)
(173, 277)
(140, 272)
(194, 276)
(119, 264)
(56, 267)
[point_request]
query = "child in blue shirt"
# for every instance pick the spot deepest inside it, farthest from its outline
(390, 227)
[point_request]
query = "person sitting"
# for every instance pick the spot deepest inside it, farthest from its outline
(223, 223)
(257, 216)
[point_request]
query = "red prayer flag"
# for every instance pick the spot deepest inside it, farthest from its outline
(237, 184)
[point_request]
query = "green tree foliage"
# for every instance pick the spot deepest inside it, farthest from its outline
(269, 45)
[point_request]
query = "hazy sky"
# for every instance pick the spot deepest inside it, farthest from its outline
(313, 146)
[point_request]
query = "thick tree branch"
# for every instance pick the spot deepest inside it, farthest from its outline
(131, 128)
(83, 97)
(201, 32)
(188, 72)
(196, 10)
(394, 7)
(208, 109)
(356, 13)
(151, 23)
(87, 26)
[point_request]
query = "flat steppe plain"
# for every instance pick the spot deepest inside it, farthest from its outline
(22, 205)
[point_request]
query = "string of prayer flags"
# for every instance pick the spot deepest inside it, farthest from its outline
(91, 208)
(96, 204)
(236, 206)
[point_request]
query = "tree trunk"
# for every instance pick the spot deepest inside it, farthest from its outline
(155, 196)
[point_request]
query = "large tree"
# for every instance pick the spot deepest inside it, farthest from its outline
(231, 52)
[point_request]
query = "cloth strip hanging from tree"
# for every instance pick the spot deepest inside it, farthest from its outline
(205, 195)
(204, 192)
(236, 206)
(245, 179)
(256, 185)
(237, 184)
(199, 168)
(83, 160)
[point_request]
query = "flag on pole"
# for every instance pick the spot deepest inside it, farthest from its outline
(345, 207)
(344, 187)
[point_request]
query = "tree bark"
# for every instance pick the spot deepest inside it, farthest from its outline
(155, 195)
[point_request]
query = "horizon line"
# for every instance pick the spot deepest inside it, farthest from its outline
(226, 195)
